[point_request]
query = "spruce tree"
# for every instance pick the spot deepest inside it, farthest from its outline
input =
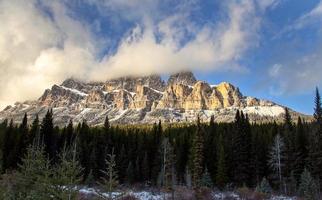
(34, 130)
(241, 142)
(308, 188)
(206, 179)
(264, 187)
(68, 173)
(130, 173)
(69, 134)
(197, 156)
(34, 175)
(110, 180)
(277, 158)
(22, 137)
(167, 164)
(47, 134)
(221, 175)
(145, 167)
(301, 149)
(8, 158)
(289, 141)
(315, 157)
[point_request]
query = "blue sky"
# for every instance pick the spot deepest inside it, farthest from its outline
(270, 49)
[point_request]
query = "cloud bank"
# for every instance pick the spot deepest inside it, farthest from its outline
(42, 42)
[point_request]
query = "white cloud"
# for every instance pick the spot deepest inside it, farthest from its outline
(38, 49)
(212, 46)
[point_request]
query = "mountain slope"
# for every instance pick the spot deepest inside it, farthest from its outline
(144, 100)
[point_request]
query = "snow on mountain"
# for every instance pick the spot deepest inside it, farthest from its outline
(130, 100)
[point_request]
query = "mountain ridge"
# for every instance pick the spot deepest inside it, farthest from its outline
(146, 99)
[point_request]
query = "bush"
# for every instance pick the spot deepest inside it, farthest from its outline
(264, 187)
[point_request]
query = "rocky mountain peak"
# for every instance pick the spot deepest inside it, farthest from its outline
(186, 78)
(73, 83)
(145, 99)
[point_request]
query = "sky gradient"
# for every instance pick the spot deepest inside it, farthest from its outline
(270, 49)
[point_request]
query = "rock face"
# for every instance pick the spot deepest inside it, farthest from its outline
(143, 100)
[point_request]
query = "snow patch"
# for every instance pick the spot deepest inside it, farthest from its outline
(157, 91)
(74, 91)
(273, 111)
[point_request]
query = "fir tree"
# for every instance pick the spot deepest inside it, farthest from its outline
(206, 179)
(34, 131)
(264, 187)
(167, 165)
(318, 108)
(277, 158)
(301, 151)
(130, 173)
(308, 188)
(22, 137)
(145, 167)
(47, 134)
(69, 134)
(34, 176)
(197, 155)
(315, 157)
(68, 173)
(8, 147)
(221, 176)
(110, 180)
(241, 142)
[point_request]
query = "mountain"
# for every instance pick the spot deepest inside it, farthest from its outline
(145, 100)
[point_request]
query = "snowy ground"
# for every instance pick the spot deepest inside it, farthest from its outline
(142, 195)
(235, 196)
(145, 195)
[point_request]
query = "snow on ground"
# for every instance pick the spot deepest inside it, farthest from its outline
(144, 195)
(235, 196)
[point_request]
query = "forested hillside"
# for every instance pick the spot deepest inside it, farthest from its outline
(224, 155)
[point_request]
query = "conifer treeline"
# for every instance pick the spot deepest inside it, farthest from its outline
(196, 154)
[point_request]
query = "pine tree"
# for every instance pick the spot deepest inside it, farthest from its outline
(69, 134)
(289, 141)
(308, 188)
(318, 108)
(221, 176)
(7, 148)
(315, 157)
(47, 134)
(130, 173)
(167, 165)
(34, 176)
(68, 173)
(264, 187)
(34, 131)
(206, 179)
(22, 137)
(197, 155)
(241, 142)
(110, 180)
(277, 158)
(301, 151)
(122, 163)
(188, 178)
(145, 167)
